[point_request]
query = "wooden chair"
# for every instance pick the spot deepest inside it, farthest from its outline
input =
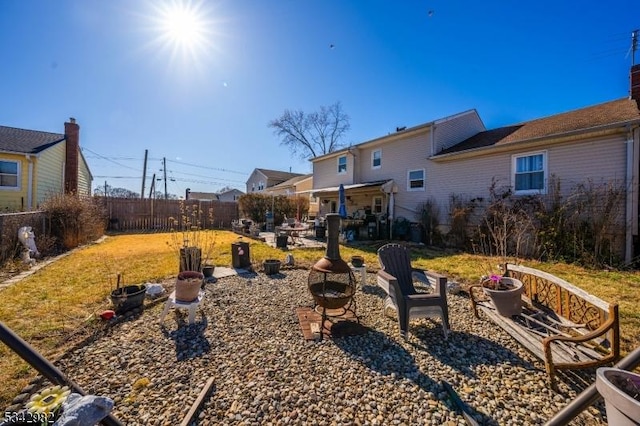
(397, 277)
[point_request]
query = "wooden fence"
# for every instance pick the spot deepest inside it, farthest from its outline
(128, 215)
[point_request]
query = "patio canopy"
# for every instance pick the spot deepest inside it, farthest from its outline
(318, 192)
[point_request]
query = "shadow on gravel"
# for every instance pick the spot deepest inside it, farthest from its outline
(378, 352)
(463, 351)
(189, 339)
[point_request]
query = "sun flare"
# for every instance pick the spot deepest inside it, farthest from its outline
(184, 29)
(183, 25)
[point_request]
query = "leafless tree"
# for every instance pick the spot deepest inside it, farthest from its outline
(309, 135)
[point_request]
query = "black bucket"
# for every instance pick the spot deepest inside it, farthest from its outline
(127, 298)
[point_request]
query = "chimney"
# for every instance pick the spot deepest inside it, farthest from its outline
(635, 83)
(72, 135)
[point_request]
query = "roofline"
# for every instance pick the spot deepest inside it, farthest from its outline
(472, 152)
(392, 136)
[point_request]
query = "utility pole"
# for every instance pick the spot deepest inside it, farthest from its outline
(105, 189)
(152, 189)
(164, 168)
(144, 172)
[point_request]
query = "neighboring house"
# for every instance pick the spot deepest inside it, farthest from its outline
(300, 186)
(261, 179)
(388, 176)
(201, 196)
(230, 195)
(36, 165)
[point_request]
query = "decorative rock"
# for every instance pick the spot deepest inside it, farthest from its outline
(266, 373)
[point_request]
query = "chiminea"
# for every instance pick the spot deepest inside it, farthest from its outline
(331, 281)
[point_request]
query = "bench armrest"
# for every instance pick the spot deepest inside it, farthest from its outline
(390, 285)
(611, 324)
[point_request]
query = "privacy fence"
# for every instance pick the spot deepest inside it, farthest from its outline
(133, 215)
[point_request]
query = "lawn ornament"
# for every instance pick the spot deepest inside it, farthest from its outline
(28, 240)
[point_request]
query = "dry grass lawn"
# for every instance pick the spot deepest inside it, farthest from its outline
(49, 307)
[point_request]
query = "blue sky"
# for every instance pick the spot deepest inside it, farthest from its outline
(205, 106)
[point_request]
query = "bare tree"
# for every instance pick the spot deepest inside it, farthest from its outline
(312, 134)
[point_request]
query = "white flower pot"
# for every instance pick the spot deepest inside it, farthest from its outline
(622, 409)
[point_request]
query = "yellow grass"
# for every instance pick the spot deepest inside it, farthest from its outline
(67, 295)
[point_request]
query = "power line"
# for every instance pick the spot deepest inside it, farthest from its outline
(111, 161)
(207, 167)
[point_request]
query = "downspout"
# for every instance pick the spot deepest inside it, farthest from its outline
(29, 182)
(631, 210)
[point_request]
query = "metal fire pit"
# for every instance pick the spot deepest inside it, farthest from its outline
(331, 280)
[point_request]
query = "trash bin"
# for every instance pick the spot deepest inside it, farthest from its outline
(240, 254)
(320, 232)
(281, 241)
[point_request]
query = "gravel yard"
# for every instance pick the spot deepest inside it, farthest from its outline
(247, 338)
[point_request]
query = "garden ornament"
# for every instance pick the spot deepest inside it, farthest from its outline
(28, 240)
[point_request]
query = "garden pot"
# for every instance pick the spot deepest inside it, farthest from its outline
(127, 298)
(271, 266)
(207, 270)
(188, 285)
(357, 261)
(614, 384)
(507, 302)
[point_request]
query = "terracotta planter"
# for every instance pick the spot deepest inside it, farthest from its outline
(188, 285)
(622, 409)
(271, 266)
(507, 302)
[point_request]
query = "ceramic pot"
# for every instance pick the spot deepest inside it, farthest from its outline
(507, 302)
(188, 285)
(622, 409)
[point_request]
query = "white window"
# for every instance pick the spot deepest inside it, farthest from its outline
(9, 172)
(529, 173)
(415, 180)
(342, 165)
(376, 159)
(253, 187)
(377, 205)
(260, 186)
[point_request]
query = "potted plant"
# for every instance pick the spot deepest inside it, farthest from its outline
(621, 392)
(188, 285)
(127, 298)
(505, 293)
(208, 269)
(190, 239)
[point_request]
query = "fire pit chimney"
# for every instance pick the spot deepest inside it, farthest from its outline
(331, 280)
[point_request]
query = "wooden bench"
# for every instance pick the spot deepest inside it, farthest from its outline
(560, 323)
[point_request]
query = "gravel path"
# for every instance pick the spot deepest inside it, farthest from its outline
(247, 338)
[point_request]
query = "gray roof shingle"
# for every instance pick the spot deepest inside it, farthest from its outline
(27, 141)
(620, 111)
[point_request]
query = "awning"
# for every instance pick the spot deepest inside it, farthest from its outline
(334, 189)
